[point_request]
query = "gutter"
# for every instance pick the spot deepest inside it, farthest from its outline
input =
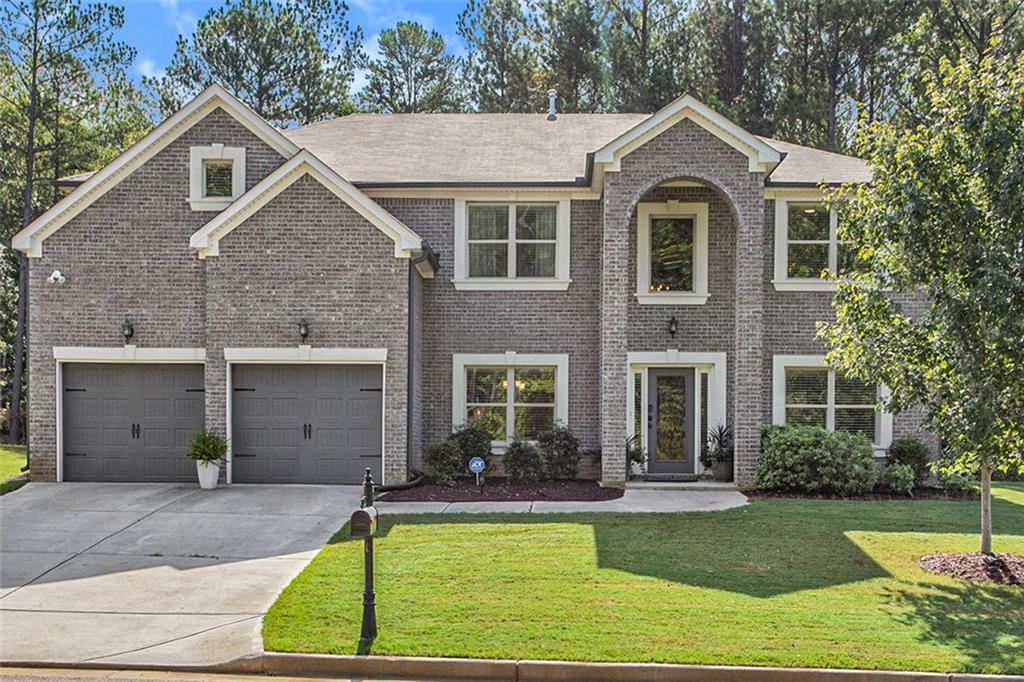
(430, 256)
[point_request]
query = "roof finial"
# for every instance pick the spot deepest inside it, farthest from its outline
(552, 95)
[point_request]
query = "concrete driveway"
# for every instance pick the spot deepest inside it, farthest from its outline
(161, 574)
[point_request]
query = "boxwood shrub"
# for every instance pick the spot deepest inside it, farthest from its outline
(913, 453)
(473, 441)
(809, 459)
(559, 452)
(523, 462)
(444, 461)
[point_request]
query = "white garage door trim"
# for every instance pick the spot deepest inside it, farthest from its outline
(111, 354)
(292, 355)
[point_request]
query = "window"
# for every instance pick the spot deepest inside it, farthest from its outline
(807, 248)
(672, 253)
(808, 392)
(520, 398)
(512, 245)
(217, 176)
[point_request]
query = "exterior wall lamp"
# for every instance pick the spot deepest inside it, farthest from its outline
(303, 329)
(127, 330)
(673, 326)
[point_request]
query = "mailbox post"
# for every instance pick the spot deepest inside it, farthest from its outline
(364, 524)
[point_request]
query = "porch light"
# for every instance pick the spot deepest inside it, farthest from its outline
(127, 330)
(303, 329)
(673, 326)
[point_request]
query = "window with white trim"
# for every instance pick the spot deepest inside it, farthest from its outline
(808, 252)
(807, 392)
(512, 245)
(672, 253)
(217, 176)
(511, 396)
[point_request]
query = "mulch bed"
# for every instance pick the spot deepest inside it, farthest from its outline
(922, 493)
(1007, 568)
(499, 489)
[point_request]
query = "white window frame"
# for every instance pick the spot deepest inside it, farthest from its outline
(782, 280)
(560, 282)
(672, 209)
(780, 363)
(198, 156)
(509, 360)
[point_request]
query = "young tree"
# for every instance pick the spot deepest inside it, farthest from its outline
(570, 53)
(646, 41)
(59, 58)
(413, 74)
(292, 61)
(944, 218)
(502, 66)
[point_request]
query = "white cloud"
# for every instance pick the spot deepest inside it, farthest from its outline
(183, 20)
(147, 67)
(380, 14)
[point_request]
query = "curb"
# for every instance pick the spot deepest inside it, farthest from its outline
(390, 666)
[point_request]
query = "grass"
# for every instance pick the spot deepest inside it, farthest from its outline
(781, 582)
(12, 458)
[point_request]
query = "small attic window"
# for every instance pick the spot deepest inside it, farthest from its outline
(217, 176)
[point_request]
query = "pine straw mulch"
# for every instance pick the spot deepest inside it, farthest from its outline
(1004, 568)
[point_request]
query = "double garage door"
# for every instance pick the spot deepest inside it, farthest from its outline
(289, 423)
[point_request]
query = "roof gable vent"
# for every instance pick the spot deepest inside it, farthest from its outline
(552, 95)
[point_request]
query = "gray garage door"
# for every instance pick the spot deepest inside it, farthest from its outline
(306, 423)
(131, 422)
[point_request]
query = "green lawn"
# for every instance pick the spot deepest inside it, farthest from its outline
(12, 458)
(780, 582)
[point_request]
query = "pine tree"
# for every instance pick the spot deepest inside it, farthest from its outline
(571, 53)
(413, 74)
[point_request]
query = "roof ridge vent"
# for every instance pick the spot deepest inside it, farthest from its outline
(552, 96)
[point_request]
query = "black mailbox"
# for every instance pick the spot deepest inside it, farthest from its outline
(363, 523)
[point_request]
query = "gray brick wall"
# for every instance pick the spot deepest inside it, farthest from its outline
(307, 254)
(126, 255)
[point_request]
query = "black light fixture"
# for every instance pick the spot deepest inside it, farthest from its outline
(303, 329)
(127, 330)
(673, 326)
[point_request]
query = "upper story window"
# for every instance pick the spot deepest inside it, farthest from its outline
(217, 176)
(808, 252)
(512, 245)
(808, 392)
(672, 253)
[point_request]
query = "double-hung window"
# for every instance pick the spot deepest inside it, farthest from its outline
(512, 245)
(518, 399)
(809, 393)
(808, 252)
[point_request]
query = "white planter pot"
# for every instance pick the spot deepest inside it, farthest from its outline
(208, 473)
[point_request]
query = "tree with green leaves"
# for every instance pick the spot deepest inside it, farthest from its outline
(291, 61)
(66, 105)
(414, 73)
(943, 219)
(502, 66)
(570, 53)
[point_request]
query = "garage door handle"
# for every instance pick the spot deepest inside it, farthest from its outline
(74, 454)
(374, 390)
(241, 454)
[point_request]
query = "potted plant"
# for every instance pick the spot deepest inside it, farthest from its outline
(636, 458)
(718, 456)
(207, 449)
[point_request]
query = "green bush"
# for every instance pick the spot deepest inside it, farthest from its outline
(523, 463)
(913, 453)
(899, 478)
(812, 460)
(207, 446)
(958, 484)
(444, 461)
(473, 441)
(559, 452)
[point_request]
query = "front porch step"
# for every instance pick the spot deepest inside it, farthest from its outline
(680, 485)
(673, 478)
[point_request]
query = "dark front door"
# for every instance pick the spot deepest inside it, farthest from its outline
(306, 423)
(131, 423)
(670, 421)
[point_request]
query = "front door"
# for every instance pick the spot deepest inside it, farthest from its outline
(670, 421)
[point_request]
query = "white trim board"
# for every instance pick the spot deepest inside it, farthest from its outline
(206, 239)
(30, 240)
(645, 211)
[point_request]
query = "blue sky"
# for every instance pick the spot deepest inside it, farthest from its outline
(152, 26)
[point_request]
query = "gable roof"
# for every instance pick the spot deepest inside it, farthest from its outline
(30, 239)
(206, 240)
(809, 167)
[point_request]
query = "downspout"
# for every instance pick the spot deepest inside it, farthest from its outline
(410, 343)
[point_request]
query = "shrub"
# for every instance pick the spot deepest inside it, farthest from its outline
(523, 463)
(207, 446)
(559, 452)
(444, 461)
(899, 478)
(913, 453)
(720, 446)
(958, 484)
(812, 460)
(472, 441)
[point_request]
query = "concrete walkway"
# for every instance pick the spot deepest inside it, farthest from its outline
(647, 501)
(154, 574)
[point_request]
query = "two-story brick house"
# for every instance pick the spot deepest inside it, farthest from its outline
(335, 296)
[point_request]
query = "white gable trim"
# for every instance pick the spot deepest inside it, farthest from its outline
(762, 156)
(30, 240)
(206, 239)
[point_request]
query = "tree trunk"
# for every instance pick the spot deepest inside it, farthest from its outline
(986, 508)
